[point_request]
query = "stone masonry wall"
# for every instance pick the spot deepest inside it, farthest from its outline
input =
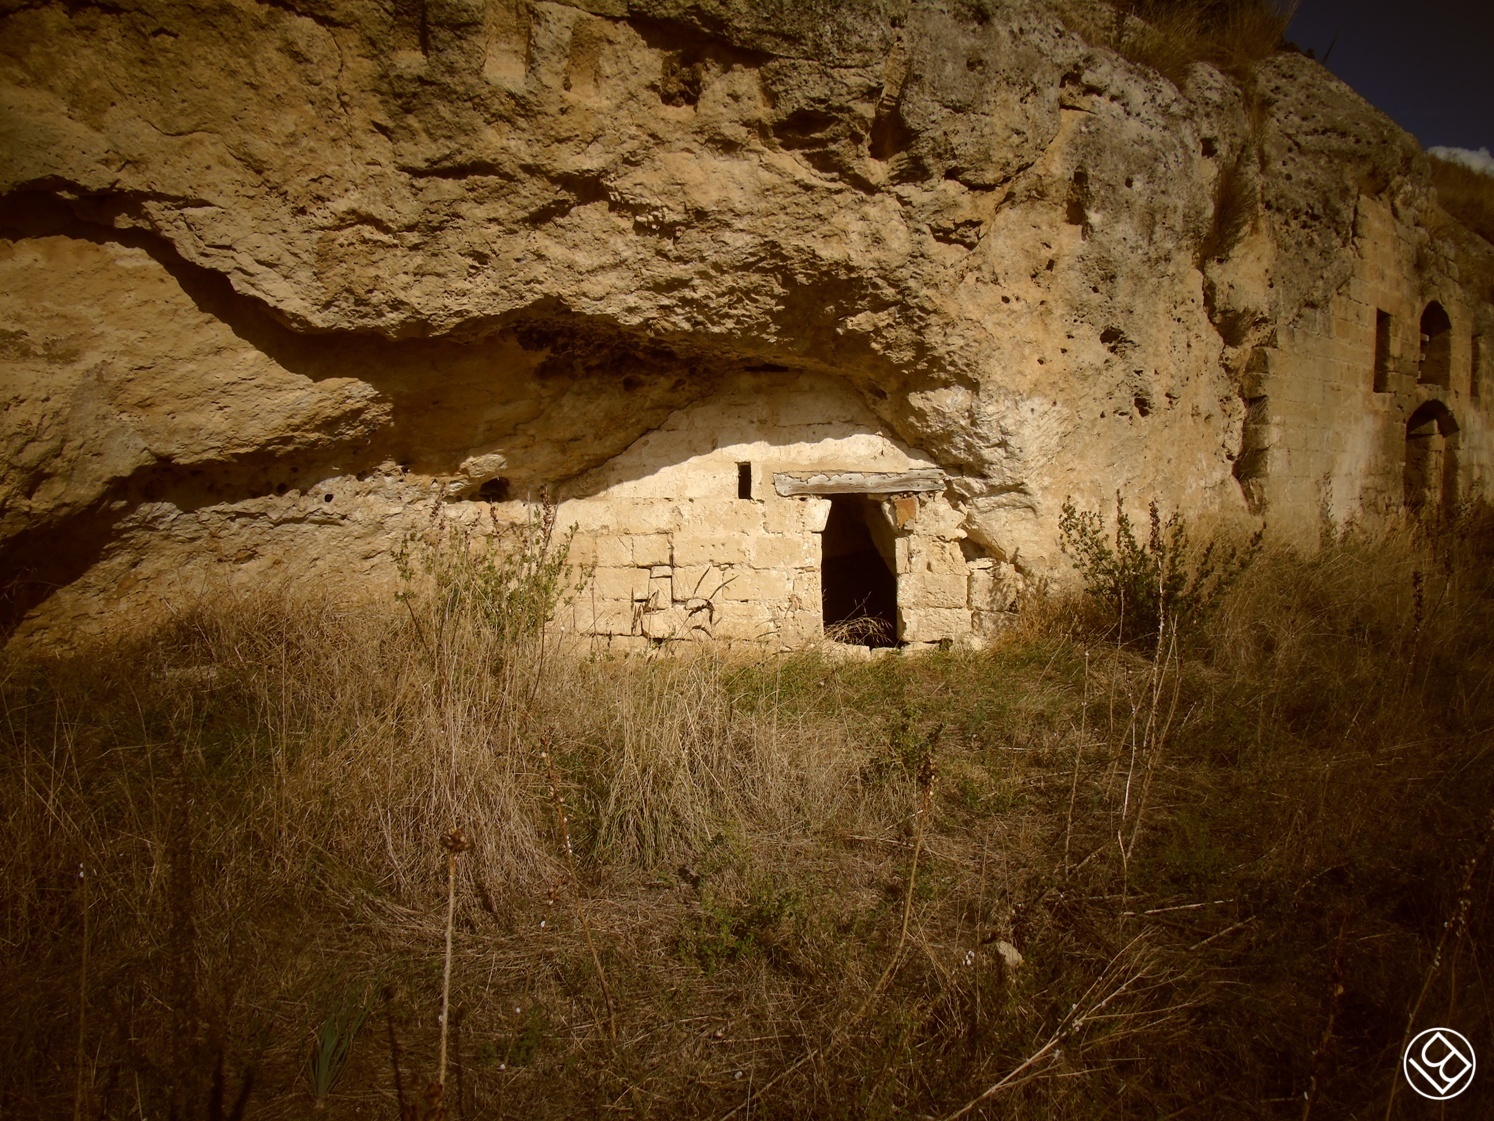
(1326, 441)
(678, 553)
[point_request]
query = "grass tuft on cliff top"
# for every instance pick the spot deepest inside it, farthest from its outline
(1466, 194)
(1220, 872)
(1169, 36)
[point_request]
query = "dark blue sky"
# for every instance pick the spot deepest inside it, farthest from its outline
(1428, 65)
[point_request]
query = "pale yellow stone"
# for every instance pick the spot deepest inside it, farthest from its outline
(780, 551)
(651, 549)
(613, 550)
(738, 625)
(759, 585)
(932, 624)
(607, 617)
(621, 583)
(698, 551)
(660, 587)
(935, 589)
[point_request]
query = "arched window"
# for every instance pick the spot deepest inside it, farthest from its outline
(1436, 347)
(1431, 474)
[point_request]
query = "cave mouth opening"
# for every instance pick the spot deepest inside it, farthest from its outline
(858, 587)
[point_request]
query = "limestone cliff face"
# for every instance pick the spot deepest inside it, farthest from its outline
(277, 274)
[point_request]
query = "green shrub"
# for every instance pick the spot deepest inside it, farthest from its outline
(1144, 587)
(513, 582)
(727, 931)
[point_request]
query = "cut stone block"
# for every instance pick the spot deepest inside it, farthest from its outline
(935, 589)
(765, 586)
(651, 549)
(691, 551)
(779, 552)
(932, 624)
(625, 584)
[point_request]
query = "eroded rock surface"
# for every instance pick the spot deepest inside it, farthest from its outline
(288, 274)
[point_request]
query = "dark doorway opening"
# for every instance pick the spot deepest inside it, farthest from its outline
(1431, 458)
(858, 587)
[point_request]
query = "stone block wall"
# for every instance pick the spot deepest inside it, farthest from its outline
(685, 536)
(1321, 437)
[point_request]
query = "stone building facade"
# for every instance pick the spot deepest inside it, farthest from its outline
(1378, 399)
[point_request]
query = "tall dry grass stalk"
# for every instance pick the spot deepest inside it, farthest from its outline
(454, 843)
(563, 824)
(82, 997)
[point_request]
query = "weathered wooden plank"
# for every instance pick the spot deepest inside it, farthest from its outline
(922, 480)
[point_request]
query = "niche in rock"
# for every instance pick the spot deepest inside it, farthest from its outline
(857, 583)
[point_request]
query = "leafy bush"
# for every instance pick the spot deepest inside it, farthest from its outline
(1142, 588)
(724, 931)
(512, 582)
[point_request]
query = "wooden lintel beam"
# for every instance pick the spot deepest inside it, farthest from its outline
(922, 480)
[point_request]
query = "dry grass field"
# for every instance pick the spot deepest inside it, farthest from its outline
(1216, 872)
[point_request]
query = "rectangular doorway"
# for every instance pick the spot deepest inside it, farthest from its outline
(858, 582)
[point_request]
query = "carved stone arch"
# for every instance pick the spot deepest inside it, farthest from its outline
(1431, 473)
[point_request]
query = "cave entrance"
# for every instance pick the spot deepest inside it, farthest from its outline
(858, 585)
(1431, 458)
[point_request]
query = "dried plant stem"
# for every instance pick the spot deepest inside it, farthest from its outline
(82, 999)
(1070, 1024)
(980, 921)
(446, 973)
(454, 842)
(570, 861)
(1335, 994)
(926, 775)
(1068, 832)
(1155, 738)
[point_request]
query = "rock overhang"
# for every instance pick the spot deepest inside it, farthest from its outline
(503, 244)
